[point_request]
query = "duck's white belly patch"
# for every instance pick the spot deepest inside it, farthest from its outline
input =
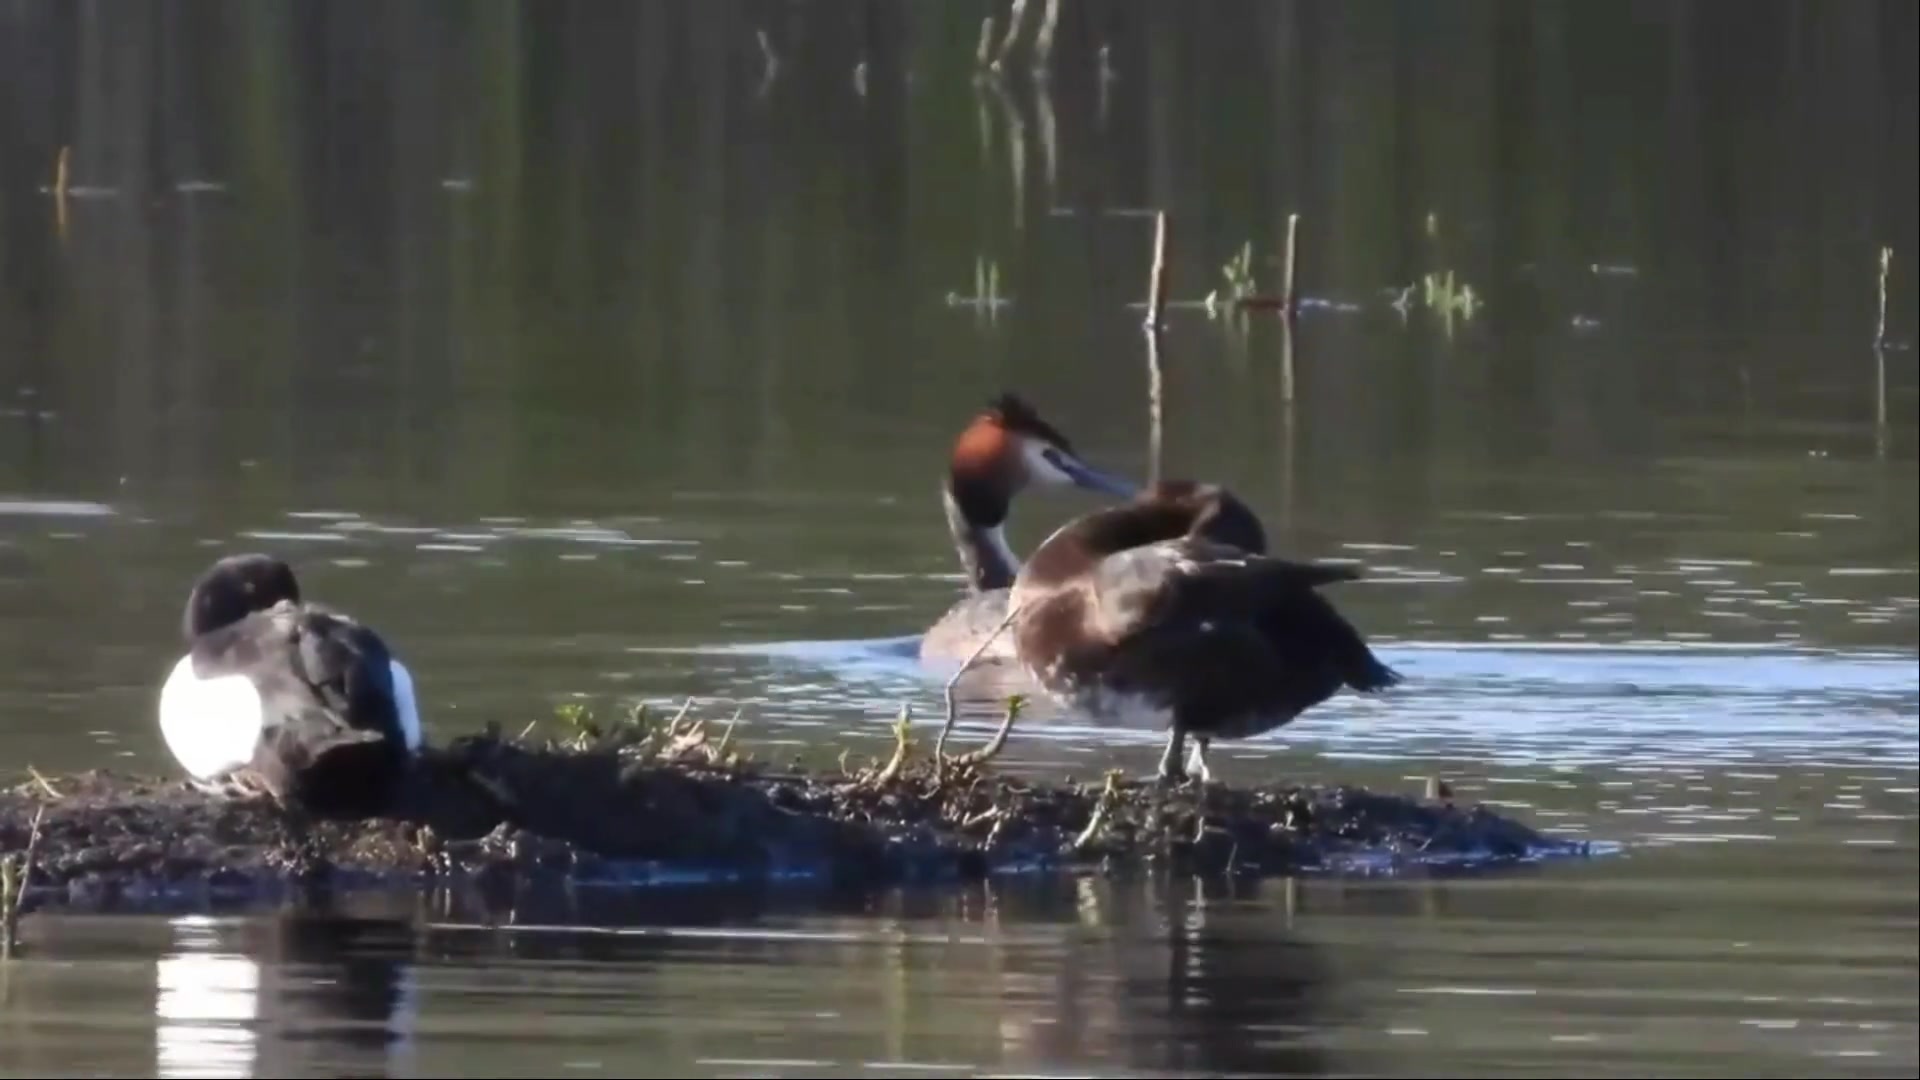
(209, 725)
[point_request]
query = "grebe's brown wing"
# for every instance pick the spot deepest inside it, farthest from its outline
(1193, 603)
(1194, 579)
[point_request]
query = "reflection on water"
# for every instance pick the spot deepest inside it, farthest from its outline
(1562, 971)
(297, 995)
(207, 1006)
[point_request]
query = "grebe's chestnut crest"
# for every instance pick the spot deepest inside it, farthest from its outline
(1006, 448)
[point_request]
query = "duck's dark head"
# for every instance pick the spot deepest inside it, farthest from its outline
(235, 587)
(1008, 446)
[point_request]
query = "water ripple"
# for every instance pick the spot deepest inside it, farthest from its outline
(1542, 703)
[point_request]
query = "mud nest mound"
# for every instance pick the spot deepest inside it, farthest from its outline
(650, 801)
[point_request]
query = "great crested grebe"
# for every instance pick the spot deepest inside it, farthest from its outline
(286, 696)
(1006, 447)
(1169, 605)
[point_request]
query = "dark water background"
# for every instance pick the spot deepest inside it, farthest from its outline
(591, 358)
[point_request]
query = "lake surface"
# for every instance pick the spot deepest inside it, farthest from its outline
(592, 357)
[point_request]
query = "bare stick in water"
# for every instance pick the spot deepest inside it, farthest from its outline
(1289, 299)
(1886, 271)
(1156, 394)
(1157, 276)
(45, 784)
(673, 725)
(16, 890)
(1156, 314)
(60, 181)
(984, 51)
(940, 746)
(1286, 360)
(1880, 357)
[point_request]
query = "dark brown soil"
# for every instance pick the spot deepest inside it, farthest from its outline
(644, 801)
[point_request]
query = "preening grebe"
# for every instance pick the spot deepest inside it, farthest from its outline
(1170, 605)
(1005, 448)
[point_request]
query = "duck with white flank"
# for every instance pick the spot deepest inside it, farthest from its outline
(1169, 607)
(1006, 447)
(285, 697)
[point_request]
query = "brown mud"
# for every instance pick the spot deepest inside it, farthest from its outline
(648, 802)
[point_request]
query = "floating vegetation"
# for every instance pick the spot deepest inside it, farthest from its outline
(1442, 293)
(643, 798)
(1242, 289)
(986, 288)
(1238, 272)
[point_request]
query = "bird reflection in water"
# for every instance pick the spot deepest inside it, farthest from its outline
(297, 994)
(1160, 986)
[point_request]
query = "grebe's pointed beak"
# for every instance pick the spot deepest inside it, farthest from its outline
(1086, 476)
(1056, 466)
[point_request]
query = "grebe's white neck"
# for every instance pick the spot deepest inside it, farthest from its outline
(986, 557)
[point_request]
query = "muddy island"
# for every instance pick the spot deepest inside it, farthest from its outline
(647, 800)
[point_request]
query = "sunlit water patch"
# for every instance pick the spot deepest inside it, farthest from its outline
(13, 507)
(1552, 704)
(335, 526)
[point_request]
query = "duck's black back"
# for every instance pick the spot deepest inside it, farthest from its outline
(331, 738)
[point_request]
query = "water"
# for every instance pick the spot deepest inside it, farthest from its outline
(592, 364)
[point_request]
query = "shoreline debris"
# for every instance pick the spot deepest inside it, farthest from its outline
(636, 801)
